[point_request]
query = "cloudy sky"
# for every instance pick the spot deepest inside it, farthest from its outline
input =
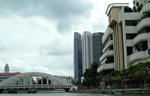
(37, 35)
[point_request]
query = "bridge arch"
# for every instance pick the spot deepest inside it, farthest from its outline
(33, 78)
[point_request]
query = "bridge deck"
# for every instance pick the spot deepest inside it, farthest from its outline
(37, 86)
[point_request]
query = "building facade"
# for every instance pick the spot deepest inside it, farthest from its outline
(4, 76)
(77, 57)
(87, 53)
(107, 57)
(7, 74)
(141, 42)
(127, 38)
(97, 46)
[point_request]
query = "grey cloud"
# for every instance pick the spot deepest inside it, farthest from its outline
(64, 11)
(56, 49)
(58, 53)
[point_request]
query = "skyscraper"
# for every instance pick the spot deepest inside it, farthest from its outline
(77, 57)
(87, 54)
(97, 46)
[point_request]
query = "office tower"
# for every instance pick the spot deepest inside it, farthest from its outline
(77, 57)
(87, 52)
(97, 46)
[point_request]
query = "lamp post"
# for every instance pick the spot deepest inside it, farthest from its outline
(125, 75)
(109, 79)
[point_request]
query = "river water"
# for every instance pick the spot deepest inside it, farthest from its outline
(64, 94)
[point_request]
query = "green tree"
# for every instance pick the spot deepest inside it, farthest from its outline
(91, 78)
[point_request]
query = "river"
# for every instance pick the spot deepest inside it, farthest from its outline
(65, 94)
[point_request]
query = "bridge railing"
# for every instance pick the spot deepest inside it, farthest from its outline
(36, 86)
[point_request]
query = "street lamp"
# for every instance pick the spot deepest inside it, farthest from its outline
(126, 75)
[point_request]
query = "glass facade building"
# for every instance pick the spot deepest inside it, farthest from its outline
(97, 46)
(77, 57)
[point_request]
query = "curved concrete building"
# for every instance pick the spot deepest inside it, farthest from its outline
(127, 38)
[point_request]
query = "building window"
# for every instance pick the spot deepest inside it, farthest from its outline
(137, 3)
(144, 30)
(128, 9)
(110, 59)
(142, 46)
(130, 36)
(129, 50)
(111, 47)
(130, 22)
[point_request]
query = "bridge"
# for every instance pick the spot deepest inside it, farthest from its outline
(35, 80)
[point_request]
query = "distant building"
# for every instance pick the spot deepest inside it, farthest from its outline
(6, 69)
(97, 46)
(4, 76)
(7, 74)
(77, 57)
(87, 54)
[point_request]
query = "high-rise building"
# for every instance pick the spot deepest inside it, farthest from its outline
(87, 53)
(77, 57)
(6, 69)
(97, 46)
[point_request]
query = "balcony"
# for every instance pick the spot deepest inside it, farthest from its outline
(128, 15)
(141, 37)
(143, 23)
(130, 29)
(107, 45)
(108, 32)
(129, 42)
(103, 67)
(106, 54)
(140, 55)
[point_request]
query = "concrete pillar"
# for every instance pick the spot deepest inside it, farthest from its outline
(47, 82)
(41, 81)
(120, 44)
(30, 80)
(36, 80)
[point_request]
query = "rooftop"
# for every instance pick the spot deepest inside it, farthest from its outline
(110, 6)
(16, 73)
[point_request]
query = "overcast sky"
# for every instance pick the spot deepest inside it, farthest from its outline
(37, 35)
